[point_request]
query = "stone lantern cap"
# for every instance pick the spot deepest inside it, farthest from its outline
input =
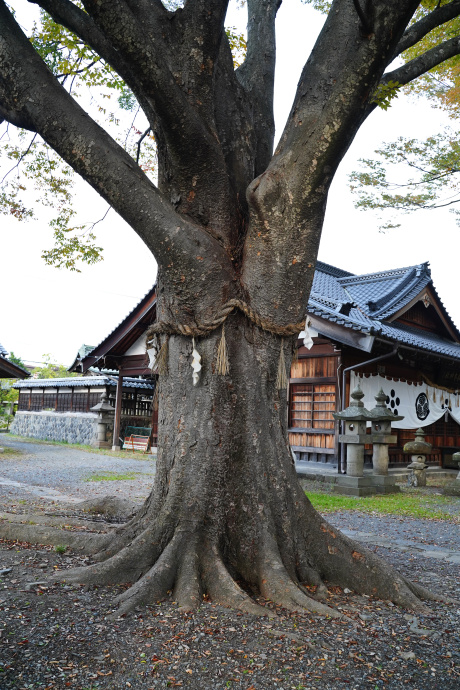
(381, 413)
(104, 406)
(419, 446)
(355, 412)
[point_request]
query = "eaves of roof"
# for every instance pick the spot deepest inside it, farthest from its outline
(400, 301)
(10, 370)
(413, 337)
(119, 332)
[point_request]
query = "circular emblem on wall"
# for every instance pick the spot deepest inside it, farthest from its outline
(393, 402)
(422, 407)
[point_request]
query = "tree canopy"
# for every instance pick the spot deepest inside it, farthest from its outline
(410, 175)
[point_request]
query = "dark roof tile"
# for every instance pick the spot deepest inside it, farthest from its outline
(86, 381)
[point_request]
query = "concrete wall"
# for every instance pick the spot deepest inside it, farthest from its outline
(72, 427)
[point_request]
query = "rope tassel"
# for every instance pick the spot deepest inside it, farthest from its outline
(222, 363)
(162, 359)
(281, 379)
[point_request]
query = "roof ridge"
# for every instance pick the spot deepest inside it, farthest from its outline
(332, 270)
(382, 275)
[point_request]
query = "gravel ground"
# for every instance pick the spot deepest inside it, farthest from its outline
(59, 636)
(41, 466)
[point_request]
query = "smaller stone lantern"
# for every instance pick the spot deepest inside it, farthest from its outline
(354, 418)
(454, 488)
(104, 412)
(418, 449)
(381, 418)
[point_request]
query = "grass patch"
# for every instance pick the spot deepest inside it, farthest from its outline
(409, 503)
(114, 477)
(87, 449)
(9, 452)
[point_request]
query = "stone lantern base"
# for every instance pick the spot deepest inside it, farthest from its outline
(385, 484)
(416, 477)
(354, 486)
(454, 488)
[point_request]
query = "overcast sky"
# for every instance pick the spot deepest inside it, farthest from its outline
(45, 310)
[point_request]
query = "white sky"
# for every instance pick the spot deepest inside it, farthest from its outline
(45, 310)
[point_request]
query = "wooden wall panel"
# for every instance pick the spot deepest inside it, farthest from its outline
(311, 440)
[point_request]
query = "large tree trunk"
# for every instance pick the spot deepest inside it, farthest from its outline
(227, 515)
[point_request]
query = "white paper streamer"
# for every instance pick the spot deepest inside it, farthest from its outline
(308, 341)
(152, 353)
(196, 364)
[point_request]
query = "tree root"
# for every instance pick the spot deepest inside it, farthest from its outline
(427, 595)
(158, 558)
(276, 584)
(82, 542)
(223, 589)
(155, 584)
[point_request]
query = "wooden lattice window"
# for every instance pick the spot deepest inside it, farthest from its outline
(94, 399)
(63, 402)
(312, 405)
(79, 401)
(36, 401)
(23, 402)
(49, 401)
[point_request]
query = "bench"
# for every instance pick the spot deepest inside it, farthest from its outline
(141, 443)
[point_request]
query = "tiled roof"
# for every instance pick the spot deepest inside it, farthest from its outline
(364, 303)
(3, 352)
(422, 340)
(86, 381)
(85, 350)
(382, 294)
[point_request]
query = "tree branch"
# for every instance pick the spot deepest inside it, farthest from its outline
(329, 107)
(184, 130)
(28, 88)
(204, 22)
(70, 16)
(417, 31)
(418, 66)
(257, 75)
(364, 20)
(139, 143)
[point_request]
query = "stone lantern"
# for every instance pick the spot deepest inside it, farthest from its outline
(104, 412)
(354, 418)
(454, 488)
(418, 449)
(381, 418)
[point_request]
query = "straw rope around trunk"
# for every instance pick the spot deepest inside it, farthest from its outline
(202, 329)
(169, 328)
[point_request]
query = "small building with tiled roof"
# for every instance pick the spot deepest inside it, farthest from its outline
(387, 329)
(123, 350)
(61, 409)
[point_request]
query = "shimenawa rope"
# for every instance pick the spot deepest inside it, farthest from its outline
(199, 330)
